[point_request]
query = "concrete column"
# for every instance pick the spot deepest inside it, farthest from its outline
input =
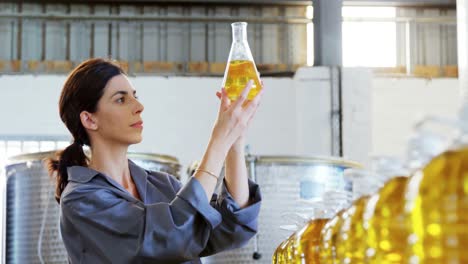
(462, 37)
(327, 32)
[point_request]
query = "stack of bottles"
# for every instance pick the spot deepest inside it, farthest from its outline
(302, 245)
(411, 214)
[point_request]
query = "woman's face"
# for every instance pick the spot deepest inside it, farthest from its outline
(118, 116)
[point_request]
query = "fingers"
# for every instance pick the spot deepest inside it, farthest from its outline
(251, 110)
(243, 96)
(232, 121)
(252, 116)
(224, 98)
(252, 105)
(225, 102)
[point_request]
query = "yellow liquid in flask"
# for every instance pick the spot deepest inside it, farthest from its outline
(239, 72)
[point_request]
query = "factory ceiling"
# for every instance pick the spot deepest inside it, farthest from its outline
(426, 3)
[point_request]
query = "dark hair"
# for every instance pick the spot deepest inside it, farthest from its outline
(81, 92)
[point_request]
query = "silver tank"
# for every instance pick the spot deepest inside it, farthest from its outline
(287, 184)
(32, 214)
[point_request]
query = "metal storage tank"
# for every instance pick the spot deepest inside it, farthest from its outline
(287, 184)
(32, 214)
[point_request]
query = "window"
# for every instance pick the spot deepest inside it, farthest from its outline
(369, 37)
(370, 42)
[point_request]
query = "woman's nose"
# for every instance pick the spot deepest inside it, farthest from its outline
(138, 107)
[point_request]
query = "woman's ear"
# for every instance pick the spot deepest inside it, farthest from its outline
(88, 120)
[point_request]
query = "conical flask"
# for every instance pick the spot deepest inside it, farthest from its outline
(240, 67)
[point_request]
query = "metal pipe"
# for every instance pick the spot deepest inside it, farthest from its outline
(19, 54)
(408, 48)
(252, 160)
(336, 113)
(91, 36)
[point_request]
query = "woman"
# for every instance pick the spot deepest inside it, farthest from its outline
(113, 211)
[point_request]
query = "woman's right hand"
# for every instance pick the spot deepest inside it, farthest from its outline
(234, 118)
(232, 122)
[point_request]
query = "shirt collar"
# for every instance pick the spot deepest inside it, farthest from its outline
(81, 174)
(84, 174)
(140, 178)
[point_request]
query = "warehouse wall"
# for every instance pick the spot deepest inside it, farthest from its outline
(430, 44)
(292, 120)
(179, 114)
(398, 103)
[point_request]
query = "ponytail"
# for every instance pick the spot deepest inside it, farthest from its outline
(73, 155)
(82, 91)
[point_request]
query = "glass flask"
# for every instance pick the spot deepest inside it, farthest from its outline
(240, 67)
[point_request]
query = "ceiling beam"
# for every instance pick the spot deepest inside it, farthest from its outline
(427, 3)
(441, 3)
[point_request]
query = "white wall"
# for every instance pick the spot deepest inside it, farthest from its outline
(356, 87)
(398, 103)
(179, 114)
(292, 120)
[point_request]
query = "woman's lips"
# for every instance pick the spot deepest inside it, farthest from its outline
(138, 124)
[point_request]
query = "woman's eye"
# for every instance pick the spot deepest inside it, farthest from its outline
(120, 100)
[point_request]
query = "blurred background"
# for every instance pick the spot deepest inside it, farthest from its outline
(344, 79)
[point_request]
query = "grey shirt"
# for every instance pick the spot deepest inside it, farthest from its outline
(101, 222)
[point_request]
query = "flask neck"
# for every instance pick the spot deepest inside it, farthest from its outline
(239, 31)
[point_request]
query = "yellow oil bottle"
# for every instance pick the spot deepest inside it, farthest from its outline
(387, 232)
(290, 249)
(437, 210)
(307, 242)
(279, 255)
(350, 243)
(328, 237)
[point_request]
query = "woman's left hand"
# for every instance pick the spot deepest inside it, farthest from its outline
(240, 142)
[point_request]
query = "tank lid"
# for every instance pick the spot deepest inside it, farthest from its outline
(50, 154)
(307, 160)
(153, 156)
(31, 157)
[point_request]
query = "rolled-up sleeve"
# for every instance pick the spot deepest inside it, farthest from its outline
(167, 232)
(238, 225)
